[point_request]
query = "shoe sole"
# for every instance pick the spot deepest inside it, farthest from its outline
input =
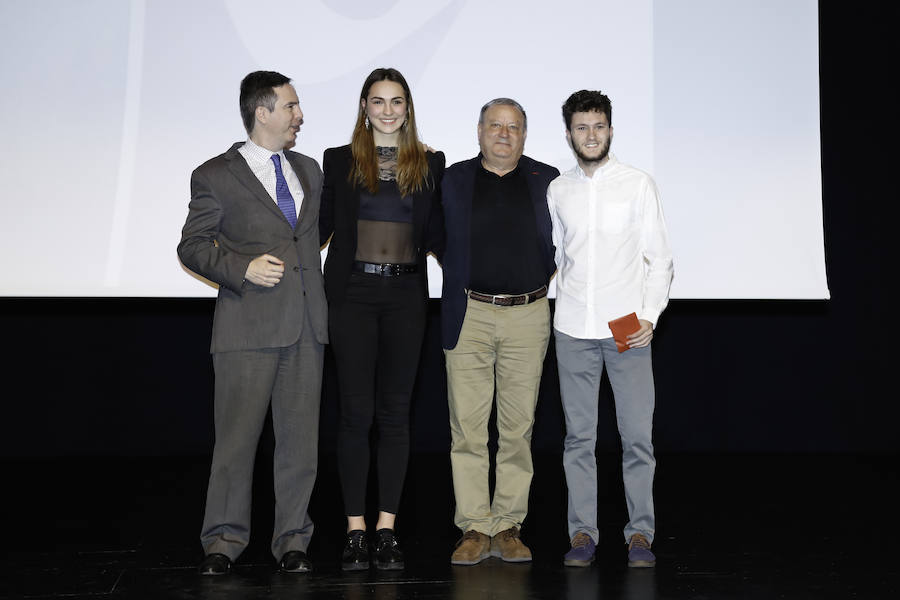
(362, 566)
(641, 564)
(391, 566)
(468, 563)
(578, 563)
(510, 560)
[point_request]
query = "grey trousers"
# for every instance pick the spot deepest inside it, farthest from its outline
(246, 382)
(581, 363)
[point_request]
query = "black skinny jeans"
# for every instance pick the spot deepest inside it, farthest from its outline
(376, 335)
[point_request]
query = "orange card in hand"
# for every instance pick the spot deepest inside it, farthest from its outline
(622, 328)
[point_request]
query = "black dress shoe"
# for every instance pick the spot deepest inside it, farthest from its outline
(387, 553)
(356, 552)
(215, 564)
(295, 561)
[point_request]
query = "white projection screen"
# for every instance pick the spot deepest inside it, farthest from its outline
(108, 105)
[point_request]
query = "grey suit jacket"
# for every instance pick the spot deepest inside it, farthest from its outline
(232, 220)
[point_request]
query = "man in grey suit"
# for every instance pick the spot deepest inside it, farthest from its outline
(252, 228)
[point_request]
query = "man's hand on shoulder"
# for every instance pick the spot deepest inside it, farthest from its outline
(265, 271)
(642, 336)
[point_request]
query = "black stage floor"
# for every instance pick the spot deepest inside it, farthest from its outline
(728, 527)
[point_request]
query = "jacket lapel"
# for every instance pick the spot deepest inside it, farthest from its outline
(419, 207)
(537, 191)
(241, 171)
(301, 174)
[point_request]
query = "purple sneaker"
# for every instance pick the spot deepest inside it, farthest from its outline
(639, 554)
(582, 552)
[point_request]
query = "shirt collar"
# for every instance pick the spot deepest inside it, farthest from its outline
(485, 173)
(258, 154)
(601, 170)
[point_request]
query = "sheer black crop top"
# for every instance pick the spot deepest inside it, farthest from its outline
(384, 227)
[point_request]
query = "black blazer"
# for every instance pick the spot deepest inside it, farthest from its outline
(340, 210)
(457, 190)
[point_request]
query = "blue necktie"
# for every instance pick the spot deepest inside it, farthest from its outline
(283, 194)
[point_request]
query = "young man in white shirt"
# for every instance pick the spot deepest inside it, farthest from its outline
(613, 258)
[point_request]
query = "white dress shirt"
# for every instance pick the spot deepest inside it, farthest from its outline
(260, 162)
(612, 248)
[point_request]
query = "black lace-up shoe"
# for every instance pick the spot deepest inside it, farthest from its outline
(388, 556)
(215, 564)
(356, 552)
(295, 561)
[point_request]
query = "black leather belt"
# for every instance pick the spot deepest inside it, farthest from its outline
(384, 269)
(508, 299)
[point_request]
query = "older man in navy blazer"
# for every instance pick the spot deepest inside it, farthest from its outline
(495, 325)
(252, 228)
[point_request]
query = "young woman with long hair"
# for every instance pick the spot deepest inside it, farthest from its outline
(381, 209)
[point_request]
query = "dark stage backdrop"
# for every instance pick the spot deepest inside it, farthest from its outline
(133, 377)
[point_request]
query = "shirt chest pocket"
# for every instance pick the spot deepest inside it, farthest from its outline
(615, 217)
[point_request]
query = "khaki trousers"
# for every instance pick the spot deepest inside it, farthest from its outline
(505, 344)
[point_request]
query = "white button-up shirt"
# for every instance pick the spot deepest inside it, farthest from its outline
(612, 249)
(260, 162)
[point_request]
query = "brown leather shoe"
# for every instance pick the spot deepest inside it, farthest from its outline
(509, 547)
(472, 548)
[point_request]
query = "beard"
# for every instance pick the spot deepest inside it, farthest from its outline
(604, 152)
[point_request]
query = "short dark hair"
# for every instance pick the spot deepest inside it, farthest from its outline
(586, 101)
(504, 102)
(258, 89)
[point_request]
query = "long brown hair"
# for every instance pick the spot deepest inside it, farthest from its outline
(412, 166)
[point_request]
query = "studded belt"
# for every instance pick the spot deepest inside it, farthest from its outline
(384, 269)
